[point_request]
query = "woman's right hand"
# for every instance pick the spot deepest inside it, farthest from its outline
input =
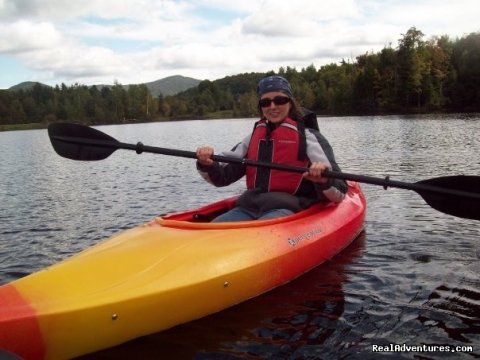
(204, 155)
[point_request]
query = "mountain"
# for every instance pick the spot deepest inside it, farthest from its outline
(167, 86)
(171, 85)
(26, 85)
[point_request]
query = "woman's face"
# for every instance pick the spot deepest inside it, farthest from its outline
(275, 111)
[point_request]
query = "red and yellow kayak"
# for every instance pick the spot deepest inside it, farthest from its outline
(172, 270)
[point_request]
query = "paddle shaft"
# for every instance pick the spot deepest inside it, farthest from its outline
(385, 182)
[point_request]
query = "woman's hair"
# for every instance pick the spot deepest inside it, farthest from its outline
(296, 111)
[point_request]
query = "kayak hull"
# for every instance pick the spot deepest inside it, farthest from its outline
(167, 272)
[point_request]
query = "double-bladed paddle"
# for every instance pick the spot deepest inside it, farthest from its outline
(454, 195)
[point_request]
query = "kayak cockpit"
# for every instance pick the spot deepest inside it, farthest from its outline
(201, 218)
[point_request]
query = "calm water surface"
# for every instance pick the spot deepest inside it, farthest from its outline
(411, 278)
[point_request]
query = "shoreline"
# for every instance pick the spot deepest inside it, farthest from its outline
(224, 115)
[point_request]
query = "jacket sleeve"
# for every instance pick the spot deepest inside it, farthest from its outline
(319, 150)
(222, 174)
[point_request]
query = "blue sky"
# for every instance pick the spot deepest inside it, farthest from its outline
(103, 41)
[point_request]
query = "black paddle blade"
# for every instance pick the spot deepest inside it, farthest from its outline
(79, 142)
(461, 197)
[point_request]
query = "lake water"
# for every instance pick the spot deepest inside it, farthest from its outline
(411, 278)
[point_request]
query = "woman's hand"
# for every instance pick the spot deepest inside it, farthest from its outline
(204, 155)
(315, 173)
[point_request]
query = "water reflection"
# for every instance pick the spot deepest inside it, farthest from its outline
(463, 304)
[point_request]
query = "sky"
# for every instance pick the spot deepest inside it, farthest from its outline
(136, 41)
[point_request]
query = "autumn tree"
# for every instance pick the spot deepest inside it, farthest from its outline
(411, 67)
(465, 91)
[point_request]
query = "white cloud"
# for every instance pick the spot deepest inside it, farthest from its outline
(24, 36)
(61, 10)
(297, 18)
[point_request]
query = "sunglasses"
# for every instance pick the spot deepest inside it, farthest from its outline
(277, 100)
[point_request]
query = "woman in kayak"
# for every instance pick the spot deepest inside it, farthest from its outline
(279, 137)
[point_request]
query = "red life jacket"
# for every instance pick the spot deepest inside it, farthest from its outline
(280, 145)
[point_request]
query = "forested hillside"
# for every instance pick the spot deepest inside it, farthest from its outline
(418, 75)
(436, 75)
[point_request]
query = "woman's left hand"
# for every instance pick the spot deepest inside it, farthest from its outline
(315, 172)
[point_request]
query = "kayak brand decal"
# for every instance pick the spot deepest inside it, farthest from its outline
(295, 240)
